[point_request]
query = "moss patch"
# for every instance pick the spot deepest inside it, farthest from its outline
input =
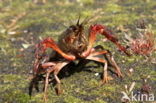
(50, 19)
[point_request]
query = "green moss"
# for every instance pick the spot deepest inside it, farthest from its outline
(99, 101)
(12, 88)
(42, 20)
(113, 8)
(5, 45)
(71, 99)
(86, 1)
(124, 18)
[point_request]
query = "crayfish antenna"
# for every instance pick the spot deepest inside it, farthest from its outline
(78, 21)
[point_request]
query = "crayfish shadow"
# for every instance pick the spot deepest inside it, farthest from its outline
(66, 72)
(73, 68)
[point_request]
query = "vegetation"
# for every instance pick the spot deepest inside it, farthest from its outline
(23, 23)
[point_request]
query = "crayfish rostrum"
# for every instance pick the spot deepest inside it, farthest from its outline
(73, 44)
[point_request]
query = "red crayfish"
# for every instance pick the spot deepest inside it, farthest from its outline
(73, 44)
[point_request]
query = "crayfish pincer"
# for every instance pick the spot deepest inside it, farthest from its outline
(73, 44)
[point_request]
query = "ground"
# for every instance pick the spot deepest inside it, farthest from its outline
(23, 23)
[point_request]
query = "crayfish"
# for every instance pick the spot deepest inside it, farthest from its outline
(73, 45)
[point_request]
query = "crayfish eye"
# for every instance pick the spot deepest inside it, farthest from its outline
(73, 28)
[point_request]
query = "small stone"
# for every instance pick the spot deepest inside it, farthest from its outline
(25, 45)
(96, 74)
(25, 31)
(131, 70)
(21, 49)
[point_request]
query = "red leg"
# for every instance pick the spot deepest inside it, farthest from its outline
(114, 64)
(94, 30)
(58, 67)
(111, 60)
(48, 64)
(106, 78)
(46, 86)
(56, 70)
(49, 43)
(99, 53)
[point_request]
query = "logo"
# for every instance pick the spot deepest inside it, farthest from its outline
(137, 97)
